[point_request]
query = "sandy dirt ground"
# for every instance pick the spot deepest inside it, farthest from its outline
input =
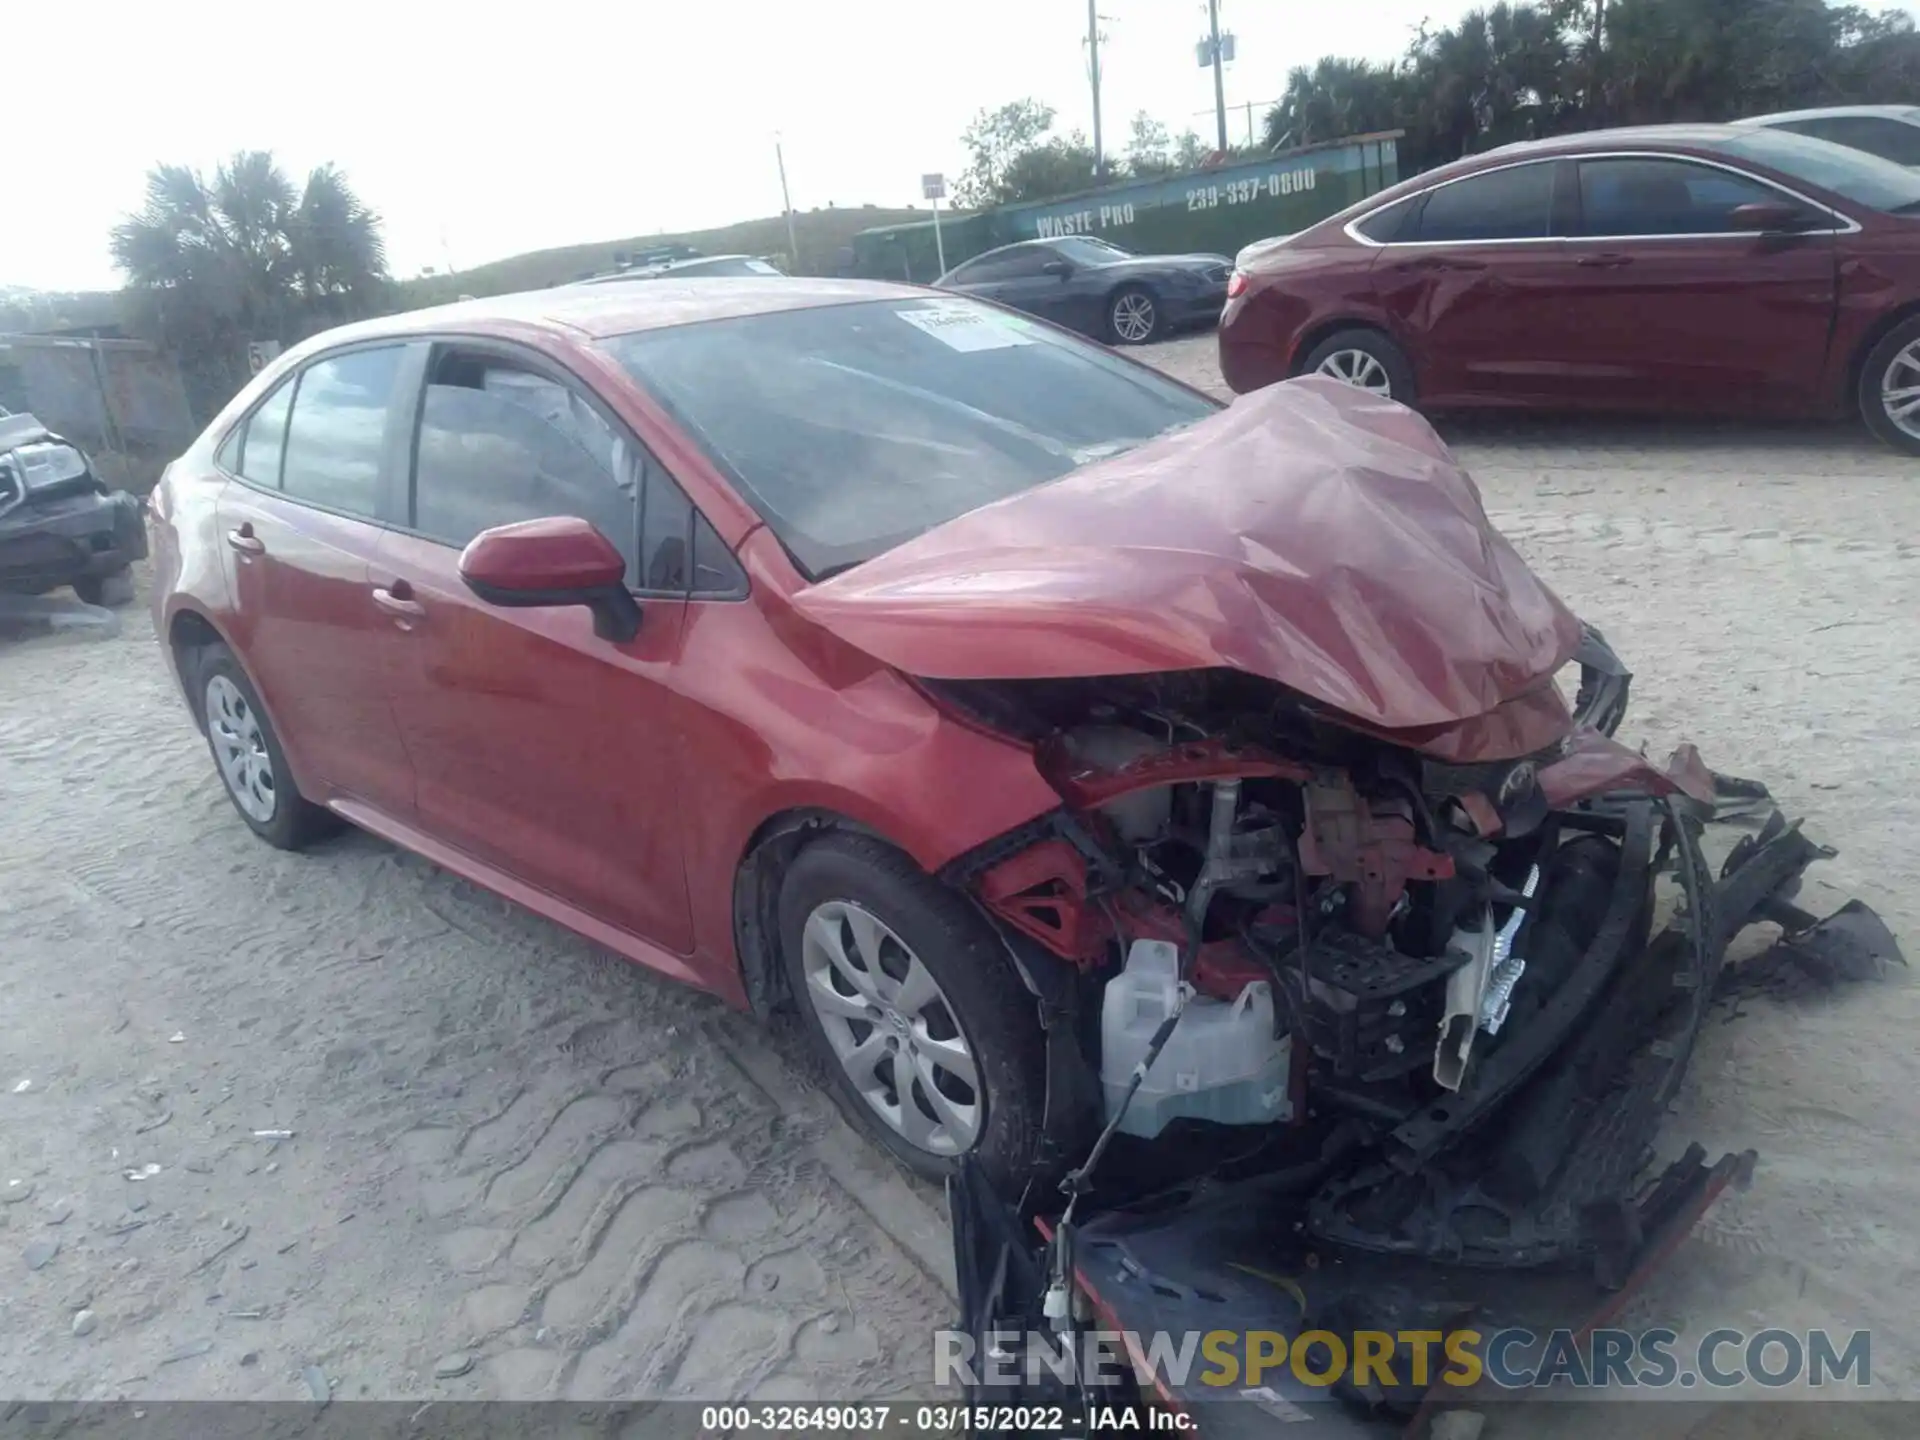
(519, 1168)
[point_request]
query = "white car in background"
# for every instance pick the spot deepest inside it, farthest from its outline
(1890, 131)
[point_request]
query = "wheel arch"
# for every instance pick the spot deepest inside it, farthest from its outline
(770, 851)
(1875, 333)
(188, 632)
(1310, 339)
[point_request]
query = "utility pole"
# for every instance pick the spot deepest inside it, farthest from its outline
(1093, 77)
(786, 201)
(1219, 81)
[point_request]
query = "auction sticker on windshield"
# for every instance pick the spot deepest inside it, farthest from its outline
(966, 327)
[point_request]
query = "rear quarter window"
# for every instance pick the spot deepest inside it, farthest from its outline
(1383, 227)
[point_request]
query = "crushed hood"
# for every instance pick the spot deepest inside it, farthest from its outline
(1309, 533)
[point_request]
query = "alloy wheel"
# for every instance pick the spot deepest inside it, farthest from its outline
(1133, 317)
(1359, 369)
(240, 747)
(1900, 390)
(891, 1028)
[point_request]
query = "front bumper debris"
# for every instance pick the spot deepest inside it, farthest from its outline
(46, 543)
(1519, 1201)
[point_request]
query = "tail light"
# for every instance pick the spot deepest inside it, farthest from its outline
(1237, 285)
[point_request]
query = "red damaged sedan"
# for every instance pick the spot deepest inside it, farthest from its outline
(1105, 776)
(1693, 269)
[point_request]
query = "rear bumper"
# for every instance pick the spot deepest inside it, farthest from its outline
(50, 543)
(1252, 355)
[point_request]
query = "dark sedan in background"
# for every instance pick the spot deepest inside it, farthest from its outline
(1680, 268)
(1097, 288)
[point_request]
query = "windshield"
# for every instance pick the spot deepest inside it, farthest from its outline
(1085, 250)
(852, 428)
(1852, 174)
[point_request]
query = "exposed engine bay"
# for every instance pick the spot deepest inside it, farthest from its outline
(1398, 1002)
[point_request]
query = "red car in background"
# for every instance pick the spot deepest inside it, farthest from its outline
(1697, 269)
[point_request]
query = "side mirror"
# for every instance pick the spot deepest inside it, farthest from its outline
(1062, 268)
(561, 561)
(1768, 215)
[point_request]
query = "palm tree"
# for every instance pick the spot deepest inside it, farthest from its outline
(1336, 98)
(246, 256)
(333, 240)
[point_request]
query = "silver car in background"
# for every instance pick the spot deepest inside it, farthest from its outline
(1890, 131)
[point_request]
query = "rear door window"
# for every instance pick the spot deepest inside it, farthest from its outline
(336, 435)
(1007, 265)
(1515, 203)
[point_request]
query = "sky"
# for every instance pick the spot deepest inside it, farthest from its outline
(480, 132)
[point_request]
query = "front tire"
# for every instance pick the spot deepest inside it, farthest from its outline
(1890, 388)
(248, 758)
(931, 1038)
(1133, 316)
(1365, 359)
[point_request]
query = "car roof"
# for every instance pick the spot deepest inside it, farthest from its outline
(597, 311)
(1678, 137)
(1037, 243)
(1907, 113)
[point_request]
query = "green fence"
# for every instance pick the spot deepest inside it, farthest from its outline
(1216, 210)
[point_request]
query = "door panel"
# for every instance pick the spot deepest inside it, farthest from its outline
(316, 456)
(1471, 284)
(1737, 325)
(1052, 297)
(538, 747)
(310, 636)
(1678, 308)
(1485, 323)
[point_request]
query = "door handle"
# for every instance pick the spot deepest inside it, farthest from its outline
(245, 541)
(1604, 262)
(398, 600)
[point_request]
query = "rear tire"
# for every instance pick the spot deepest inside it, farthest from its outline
(897, 979)
(113, 590)
(1366, 359)
(1133, 316)
(1890, 388)
(247, 755)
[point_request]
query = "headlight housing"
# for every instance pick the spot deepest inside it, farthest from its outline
(47, 462)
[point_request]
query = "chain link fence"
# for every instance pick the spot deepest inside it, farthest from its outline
(122, 401)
